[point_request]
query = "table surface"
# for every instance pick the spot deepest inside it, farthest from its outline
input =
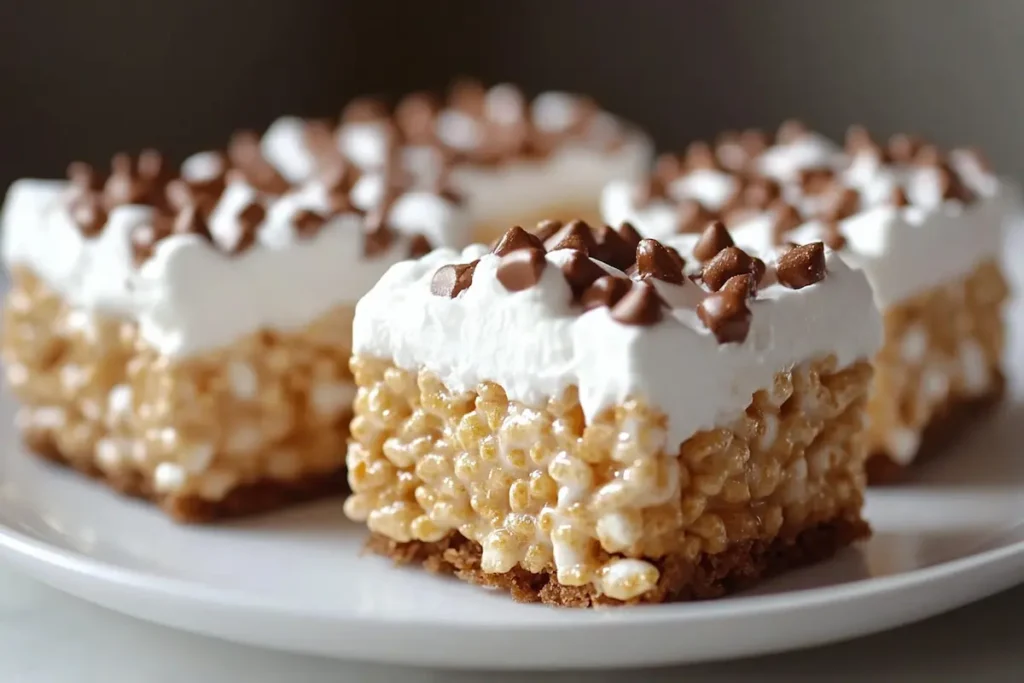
(47, 637)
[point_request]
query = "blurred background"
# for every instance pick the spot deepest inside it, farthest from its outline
(82, 79)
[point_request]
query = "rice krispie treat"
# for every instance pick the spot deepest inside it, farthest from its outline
(512, 160)
(584, 417)
(184, 333)
(926, 227)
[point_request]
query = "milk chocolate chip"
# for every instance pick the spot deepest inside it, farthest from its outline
(452, 279)
(606, 291)
(514, 239)
(641, 305)
(521, 269)
(653, 259)
(714, 239)
(802, 266)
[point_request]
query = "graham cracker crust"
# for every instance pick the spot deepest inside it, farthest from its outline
(711, 576)
(243, 501)
(946, 426)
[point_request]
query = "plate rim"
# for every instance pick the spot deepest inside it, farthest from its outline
(33, 553)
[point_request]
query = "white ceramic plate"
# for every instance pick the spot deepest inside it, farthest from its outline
(296, 581)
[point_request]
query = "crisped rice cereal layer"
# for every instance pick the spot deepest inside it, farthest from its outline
(535, 500)
(246, 428)
(938, 370)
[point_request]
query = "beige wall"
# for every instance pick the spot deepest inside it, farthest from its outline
(82, 79)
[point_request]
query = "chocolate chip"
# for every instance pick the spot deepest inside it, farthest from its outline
(629, 235)
(653, 259)
(247, 157)
(691, 216)
(468, 95)
(928, 155)
(815, 181)
(790, 131)
(131, 183)
(339, 178)
(714, 239)
(844, 203)
(573, 235)
(546, 228)
(151, 164)
(802, 266)
(377, 234)
(726, 314)
(416, 117)
(758, 270)
(452, 279)
(308, 223)
(580, 272)
(699, 155)
(84, 177)
(858, 139)
(249, 219)
(785, 218)
(754, 141)
(744, 285)
(88, 214)
(514, 239)
(649, 189)
(606, 291)
(613, 249)
(903, 147)
(668, 167)
(952, 186)
(725, 264)
(179, 194)
(189, 221)
(899, 197)
(833, 237)
(319, 138)
(419, 245)
(521, 269)
(143, 237)
(759, 193)
(641, 305)
(364, 109)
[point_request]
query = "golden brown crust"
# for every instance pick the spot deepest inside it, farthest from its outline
(949, 423)
(245, 500)
(712, 575)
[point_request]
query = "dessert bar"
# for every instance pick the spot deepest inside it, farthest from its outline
(582, 417)
(926, 226)
(183, 332)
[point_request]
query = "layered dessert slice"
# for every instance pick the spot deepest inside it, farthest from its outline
(582, 417)
(184, 334)
(511, 159)
(925, 226)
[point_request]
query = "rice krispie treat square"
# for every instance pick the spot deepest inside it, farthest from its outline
(184, 333)
(926, 227)
(583, 417)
